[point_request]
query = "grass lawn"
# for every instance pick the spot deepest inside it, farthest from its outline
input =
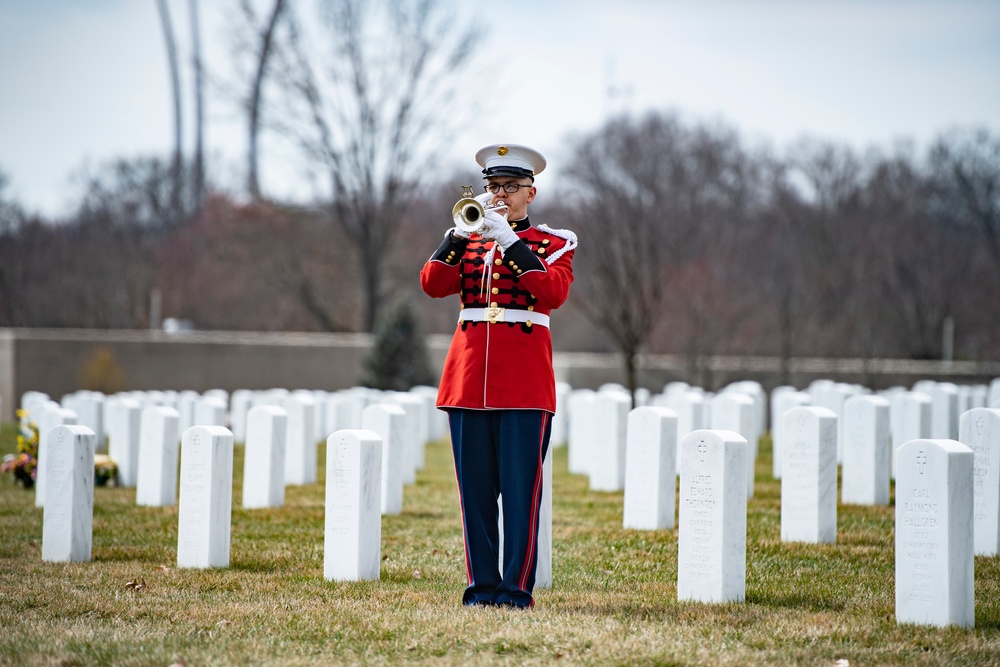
(614, 599)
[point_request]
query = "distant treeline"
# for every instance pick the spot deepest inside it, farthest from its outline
(691, 242)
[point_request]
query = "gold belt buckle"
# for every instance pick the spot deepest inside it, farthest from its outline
(494, 315)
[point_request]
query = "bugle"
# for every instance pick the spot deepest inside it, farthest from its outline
(469, 213)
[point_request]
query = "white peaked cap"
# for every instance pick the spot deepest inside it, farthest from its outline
(510, 160)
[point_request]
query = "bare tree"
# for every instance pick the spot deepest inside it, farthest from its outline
(255, 41)
(198, 166)
(175, 85)
(966, 177)
(368, 112)
(619, 182)
(658, 207)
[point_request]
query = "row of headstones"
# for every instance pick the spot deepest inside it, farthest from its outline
(597, 421)
(809, 491)
(946, 508)
(281, 449)
(355, 474)
(331, 410)
(928, 410)
(205, 499)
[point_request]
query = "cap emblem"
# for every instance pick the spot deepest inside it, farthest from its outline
(502, 151)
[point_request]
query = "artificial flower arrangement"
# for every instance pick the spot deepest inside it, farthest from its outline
(105, 470)
(24, 464)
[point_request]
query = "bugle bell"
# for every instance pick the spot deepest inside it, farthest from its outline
(469, 213)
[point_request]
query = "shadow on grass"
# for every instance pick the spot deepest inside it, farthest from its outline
(797, 600)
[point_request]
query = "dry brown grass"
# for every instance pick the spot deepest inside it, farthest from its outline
(614, 600)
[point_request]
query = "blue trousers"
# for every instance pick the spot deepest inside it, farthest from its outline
(500, 453)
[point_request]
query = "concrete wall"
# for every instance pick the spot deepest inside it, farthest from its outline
(54, 361)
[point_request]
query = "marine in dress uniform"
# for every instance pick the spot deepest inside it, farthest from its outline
(498, 385)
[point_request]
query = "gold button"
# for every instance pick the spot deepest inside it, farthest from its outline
(495, 290)
(496, 276)
(541, 251)
(528, 324)
(498, 261)
(461, 322)
(531, 307)
(494, 304)
(519, 272)
(514, 266)
(546, 242)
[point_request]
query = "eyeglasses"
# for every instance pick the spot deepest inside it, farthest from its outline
(509, 188)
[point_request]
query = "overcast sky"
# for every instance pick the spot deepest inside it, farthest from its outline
(82, 82)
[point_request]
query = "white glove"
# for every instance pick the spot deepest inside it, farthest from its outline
(498, 229)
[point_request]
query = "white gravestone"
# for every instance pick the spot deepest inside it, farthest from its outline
(242, 401)
(979, 429)
(89, 409)
(736, 411)
(909, 419)
(650, 473)
(934, 534)
(543, 566)
(865, 472)
(156, 485)
(774, 415)
(413, 433)
(68, 518)
(979, 396)
(756, 392)
(437, 420)
(204, 518)
(210, 410)
(123, 439)
(809, 476)
(300, 448)
(607, 471)
(337, 408)
(353, 517)
(944, 410)
(315, 434)
(48, 419)
(993, 394)
(579, 439)
(781, 403)
(387, 420)
(358, 398)
(321, 431)
(186, 401)
(689, 406)
(712, 518)
(264, 457)
(560, 420)
(30, 400)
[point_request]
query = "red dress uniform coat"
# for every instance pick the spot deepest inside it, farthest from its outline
(503, 365)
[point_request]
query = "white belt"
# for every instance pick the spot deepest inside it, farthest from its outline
(497, 315)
